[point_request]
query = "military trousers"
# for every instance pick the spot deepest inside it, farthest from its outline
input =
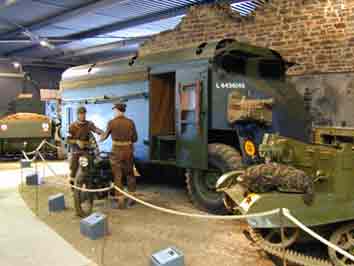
(122, 163)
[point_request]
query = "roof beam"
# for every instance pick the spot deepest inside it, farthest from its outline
(82, 9)
(99, 48)
(172, 12)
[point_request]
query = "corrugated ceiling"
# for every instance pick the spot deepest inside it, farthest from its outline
(80, 18)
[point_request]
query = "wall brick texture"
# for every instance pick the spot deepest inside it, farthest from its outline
(316, 34)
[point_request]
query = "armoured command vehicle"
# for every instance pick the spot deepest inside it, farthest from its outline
(203, 110)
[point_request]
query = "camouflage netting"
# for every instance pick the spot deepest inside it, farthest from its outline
(26, 116)
(273, 176)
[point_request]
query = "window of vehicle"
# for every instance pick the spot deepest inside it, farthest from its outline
(271, 69)
(231, 64)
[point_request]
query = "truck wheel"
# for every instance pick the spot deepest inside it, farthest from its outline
(83, 201)
(201, 184)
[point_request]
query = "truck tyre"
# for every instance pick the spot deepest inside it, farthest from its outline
(201, 184)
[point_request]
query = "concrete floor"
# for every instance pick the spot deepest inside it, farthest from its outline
(138, 232)
(24, 239)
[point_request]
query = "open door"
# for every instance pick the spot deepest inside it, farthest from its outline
(192, 118)
(162, 117)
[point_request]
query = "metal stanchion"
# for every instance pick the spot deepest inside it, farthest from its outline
(37, 186)
(107, 207)
(282, 212)
(43, 167)
(281, 215)
(21, 185)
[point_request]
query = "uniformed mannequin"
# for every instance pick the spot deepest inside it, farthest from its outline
(123, 133)
(80, 133)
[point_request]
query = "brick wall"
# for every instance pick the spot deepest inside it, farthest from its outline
(317, 34)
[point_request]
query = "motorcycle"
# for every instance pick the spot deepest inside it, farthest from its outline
(94, 173)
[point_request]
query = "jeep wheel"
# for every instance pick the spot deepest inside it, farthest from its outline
(83, 201)
(201, 184)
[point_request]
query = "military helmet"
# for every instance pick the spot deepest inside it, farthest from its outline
(81, 109)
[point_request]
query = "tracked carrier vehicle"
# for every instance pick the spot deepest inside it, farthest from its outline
(201, 111)
(330, 214)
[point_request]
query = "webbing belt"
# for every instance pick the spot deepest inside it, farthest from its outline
(78, 142)
(121, 143)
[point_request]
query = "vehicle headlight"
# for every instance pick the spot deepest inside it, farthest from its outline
(45, 127)
(83, 161)
(3, 127)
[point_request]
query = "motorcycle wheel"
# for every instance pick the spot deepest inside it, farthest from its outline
(83, 200)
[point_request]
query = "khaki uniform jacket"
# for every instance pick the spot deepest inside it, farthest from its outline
(82, 131)
(122, 129)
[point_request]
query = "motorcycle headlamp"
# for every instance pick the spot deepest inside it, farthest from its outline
(83, 161)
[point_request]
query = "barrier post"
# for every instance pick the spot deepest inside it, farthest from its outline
(37, 185)
(281, 216)
(107, 207)
(43, 167)
(21, 186)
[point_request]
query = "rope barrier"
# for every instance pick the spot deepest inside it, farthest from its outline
(73, 186)
(284, 212)
(233, 217)
(36, 153)
(202, 216)
(27, 158)
(223, 217)
(52, 145)
(83, 189)
(288, 215)
(39, 147)
(93, 190)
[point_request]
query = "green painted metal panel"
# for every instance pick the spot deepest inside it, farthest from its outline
(330, 166)
(25, 129)
(17, 145)
(327, 208)
(136, 68)
(192, 117)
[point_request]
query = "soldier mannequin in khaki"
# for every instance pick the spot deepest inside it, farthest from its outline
(123, 134)
(80, 133)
